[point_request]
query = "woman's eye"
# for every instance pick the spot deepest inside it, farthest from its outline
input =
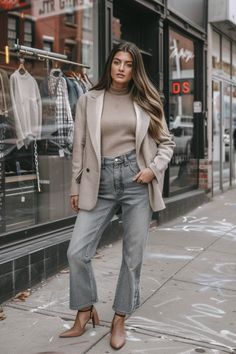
(116, 62)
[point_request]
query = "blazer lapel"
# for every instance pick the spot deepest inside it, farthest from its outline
(94, 113)
(142, 125)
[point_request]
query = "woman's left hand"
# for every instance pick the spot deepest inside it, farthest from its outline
(144, 176)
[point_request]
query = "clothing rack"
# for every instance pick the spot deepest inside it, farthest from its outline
(43, 54)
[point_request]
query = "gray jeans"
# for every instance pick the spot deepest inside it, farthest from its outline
(117, 189)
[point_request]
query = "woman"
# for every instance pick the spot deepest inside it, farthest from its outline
(121, 150)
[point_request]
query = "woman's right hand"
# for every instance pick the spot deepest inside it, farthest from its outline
(74, 201)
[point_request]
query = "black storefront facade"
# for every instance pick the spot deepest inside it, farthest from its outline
(36, 221)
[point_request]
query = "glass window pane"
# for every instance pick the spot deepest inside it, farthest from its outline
(221, 134)
(216, 110)
(226, 133)
(216, 62)
(36, 132)
(234, 62)
(181, 59)
(234, 131)
(226, 56)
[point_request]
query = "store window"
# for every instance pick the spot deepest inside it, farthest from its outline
(38, 98)
(224, 111)
(183, 169)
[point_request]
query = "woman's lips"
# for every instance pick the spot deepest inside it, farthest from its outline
(120, 75)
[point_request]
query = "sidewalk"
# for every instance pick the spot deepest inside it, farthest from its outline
(188, 294)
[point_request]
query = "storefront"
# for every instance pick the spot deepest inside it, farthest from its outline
(185, 92)
(223, 94)
(48, 58)
(173, 52)
(61, 49)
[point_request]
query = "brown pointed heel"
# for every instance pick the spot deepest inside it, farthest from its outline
(94, 317)
(117, 340)
(79, 328)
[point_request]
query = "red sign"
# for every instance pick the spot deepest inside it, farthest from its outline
(181, 87)
(7, 5)
(11, 4)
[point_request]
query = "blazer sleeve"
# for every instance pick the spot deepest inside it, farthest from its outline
(164, 154)
(78, 144)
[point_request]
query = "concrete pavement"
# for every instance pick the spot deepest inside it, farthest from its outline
(188, 294)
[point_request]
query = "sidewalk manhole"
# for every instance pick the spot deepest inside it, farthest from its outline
(200, 350)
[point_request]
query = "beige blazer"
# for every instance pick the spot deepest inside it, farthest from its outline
(86, 161)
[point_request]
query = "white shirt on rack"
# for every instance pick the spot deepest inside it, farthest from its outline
(27, 107)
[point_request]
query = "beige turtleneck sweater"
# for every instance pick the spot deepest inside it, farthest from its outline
(118, 123)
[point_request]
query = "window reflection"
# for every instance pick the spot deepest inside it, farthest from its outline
(216, 107)
(226, 132)
(234, 62)
(183, 166)
(216, 62)
(35, 157)
(234, 130)
(226, 57)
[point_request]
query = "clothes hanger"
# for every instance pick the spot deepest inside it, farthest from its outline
(69, 74)
(78, 75)
(56, 71)
(22, 70)
(85, 76)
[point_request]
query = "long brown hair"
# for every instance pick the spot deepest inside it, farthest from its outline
(142, 90)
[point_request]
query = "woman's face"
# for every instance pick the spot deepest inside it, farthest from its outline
(121, 69)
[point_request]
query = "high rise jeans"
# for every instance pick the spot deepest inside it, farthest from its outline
(117, 190)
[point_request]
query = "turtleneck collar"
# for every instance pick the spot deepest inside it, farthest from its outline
(121, 91)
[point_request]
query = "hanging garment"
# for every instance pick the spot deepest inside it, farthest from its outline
(78, 87)
(27, 108)
(72, 93)
(48, 104)
(87, 82)
(83, 85)
(64, 120)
